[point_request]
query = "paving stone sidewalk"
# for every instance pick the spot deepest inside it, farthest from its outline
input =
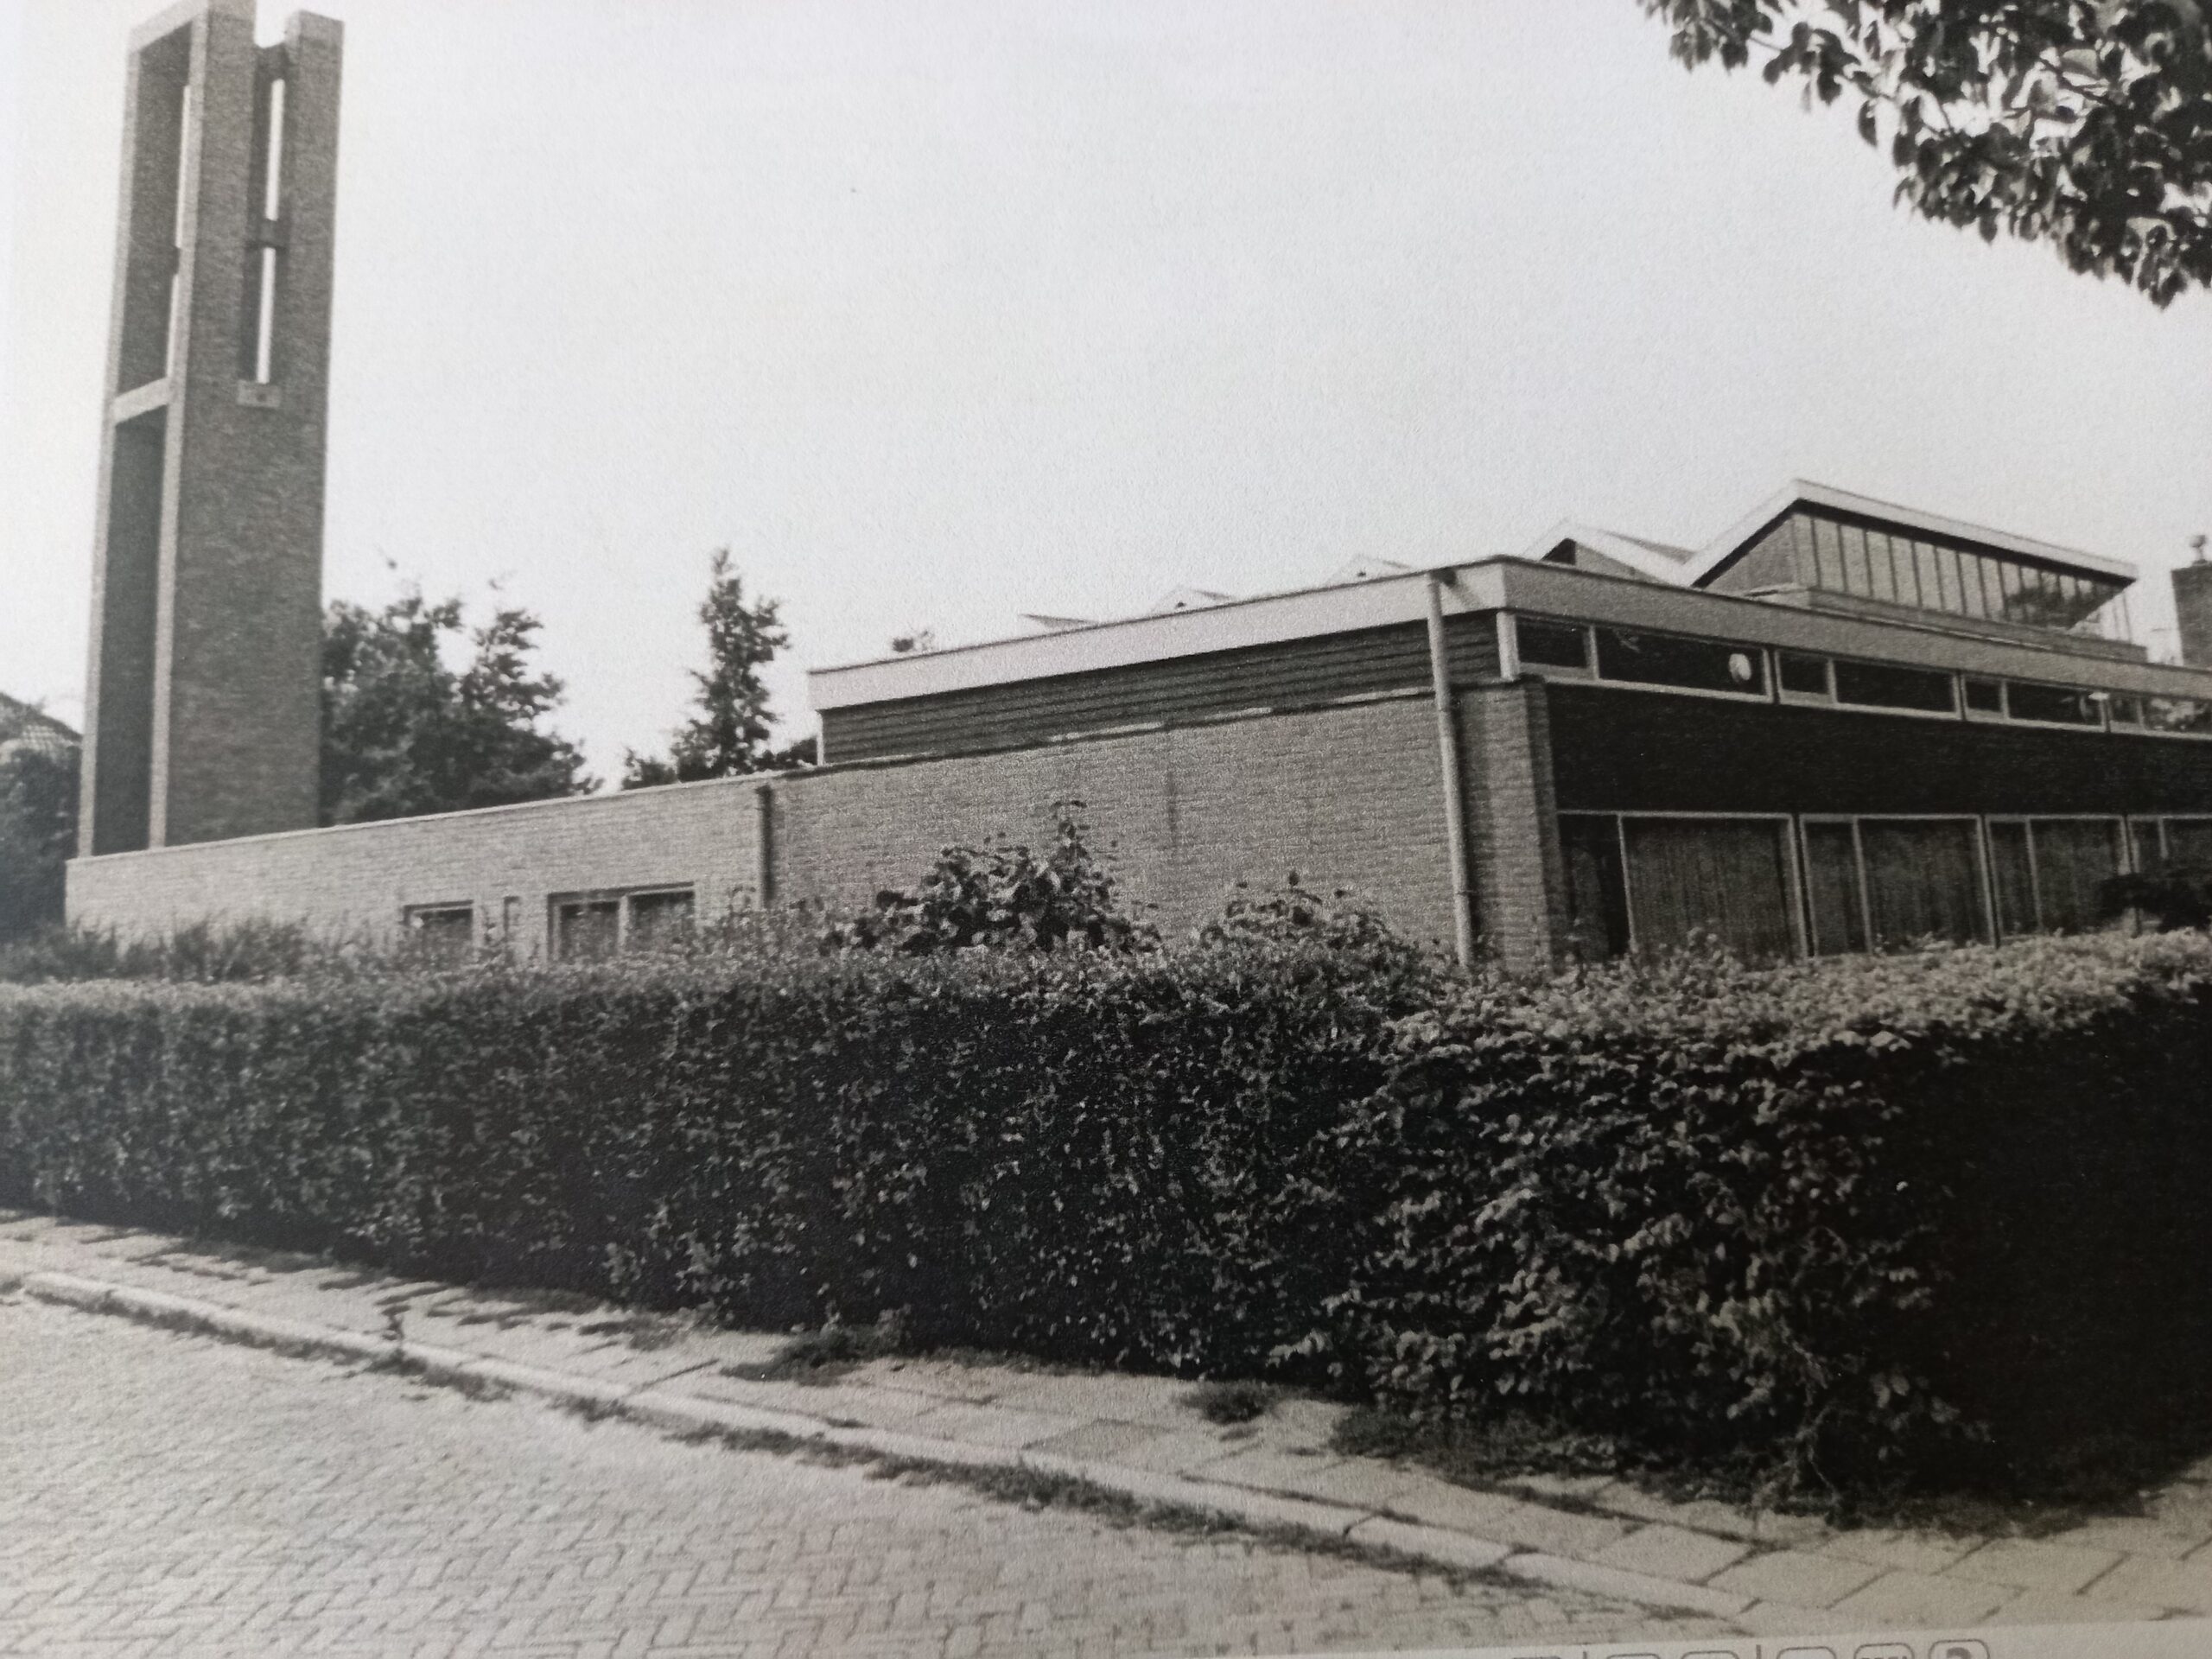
(1141, 1436)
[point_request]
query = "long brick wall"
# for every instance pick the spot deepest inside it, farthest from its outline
(1348, 796)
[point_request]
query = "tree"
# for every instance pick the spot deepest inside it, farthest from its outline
(2086, 121)
(404, 734)
(730, 737)
(38, 833)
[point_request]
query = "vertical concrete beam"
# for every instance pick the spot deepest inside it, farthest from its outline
(1513, 824)
(205, 687)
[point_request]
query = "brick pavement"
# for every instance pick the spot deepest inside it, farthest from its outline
(1139, 1436)
(165, 1494)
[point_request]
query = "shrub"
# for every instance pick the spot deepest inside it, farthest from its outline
(1832, 1219)
(205, 952)
(1004, 896)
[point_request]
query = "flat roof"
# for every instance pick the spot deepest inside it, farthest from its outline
(1491, 583)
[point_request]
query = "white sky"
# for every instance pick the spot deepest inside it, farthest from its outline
(936, 312)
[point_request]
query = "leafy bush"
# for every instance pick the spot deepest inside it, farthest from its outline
(1829, 1219)
(2178, 896)
(204, 951)
(1002, 895)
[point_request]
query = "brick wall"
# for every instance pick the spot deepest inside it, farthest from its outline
(1512, 829)
(1345, 796)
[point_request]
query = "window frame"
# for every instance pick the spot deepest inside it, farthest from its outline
(2102, 723)
(2130, 863)
(621, 899)
(1835, 692)
(1985, 893)
(1759, 654)
(1793, 868)
(413, 919)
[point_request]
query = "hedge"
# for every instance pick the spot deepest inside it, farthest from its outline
(1832, 1217)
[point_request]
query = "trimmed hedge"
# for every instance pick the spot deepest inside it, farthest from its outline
(1831, 1217)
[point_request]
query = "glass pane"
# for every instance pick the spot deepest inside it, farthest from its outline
(2144, 839)
(2075, 857)
(1724, 877)
(2177, 714)
(1882, 685)
(1947, 571)
(1929, 577)
(2189, 843)
(1880, 569)
(2008, 586)
(1855, 579)
(586, 930)
(1922, 880)
(446, 934)
(1597, 900)
(2125, 710)
(1985, 697)
(1808, 676)
(1972, 586)
(1827, 554)
(1550, 644)
(1832, 887)
(1668, 659)
(2013, 879)
(659, 918)
(2057, 704)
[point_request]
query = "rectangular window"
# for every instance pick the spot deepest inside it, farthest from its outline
(2125, 710)
(1596, 897)
(1726, 877)
(1667, 659)
(1985, 697)
(2012, 878)
(2189, 843)
(1827, 554)
(659, 920)
(1883, 686)
(1928, 578)
(1881, 569)
(1923, 879)
(587, 929)
(2177, 714)
(1551, 644)
(2055, 705)
(2075, 857)
(1855, 577)
(1972, 587)
(1946, 575)
(1803, 676)
(1832, 889)
(2009, 585)
(442, 932)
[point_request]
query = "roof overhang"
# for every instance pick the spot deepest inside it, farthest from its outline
(1739, 535)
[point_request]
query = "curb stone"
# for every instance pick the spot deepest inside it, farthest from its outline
(659, 1409)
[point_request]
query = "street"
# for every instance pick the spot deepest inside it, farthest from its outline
(163, 1493)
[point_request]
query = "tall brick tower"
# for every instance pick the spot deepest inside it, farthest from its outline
(202, 699)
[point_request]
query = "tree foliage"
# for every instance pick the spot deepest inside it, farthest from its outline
(2087, 123)
(403, 734)
(38, 834)
(730, 735)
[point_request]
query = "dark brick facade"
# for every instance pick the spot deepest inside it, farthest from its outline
(203, 693)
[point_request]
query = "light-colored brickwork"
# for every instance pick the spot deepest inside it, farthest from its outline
(1348, 796)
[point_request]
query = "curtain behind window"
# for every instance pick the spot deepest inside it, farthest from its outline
(1725, 876)
(1921, 880)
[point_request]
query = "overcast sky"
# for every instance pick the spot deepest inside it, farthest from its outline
(935, 313)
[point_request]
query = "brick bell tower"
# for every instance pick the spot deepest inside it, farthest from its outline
(202, 700)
